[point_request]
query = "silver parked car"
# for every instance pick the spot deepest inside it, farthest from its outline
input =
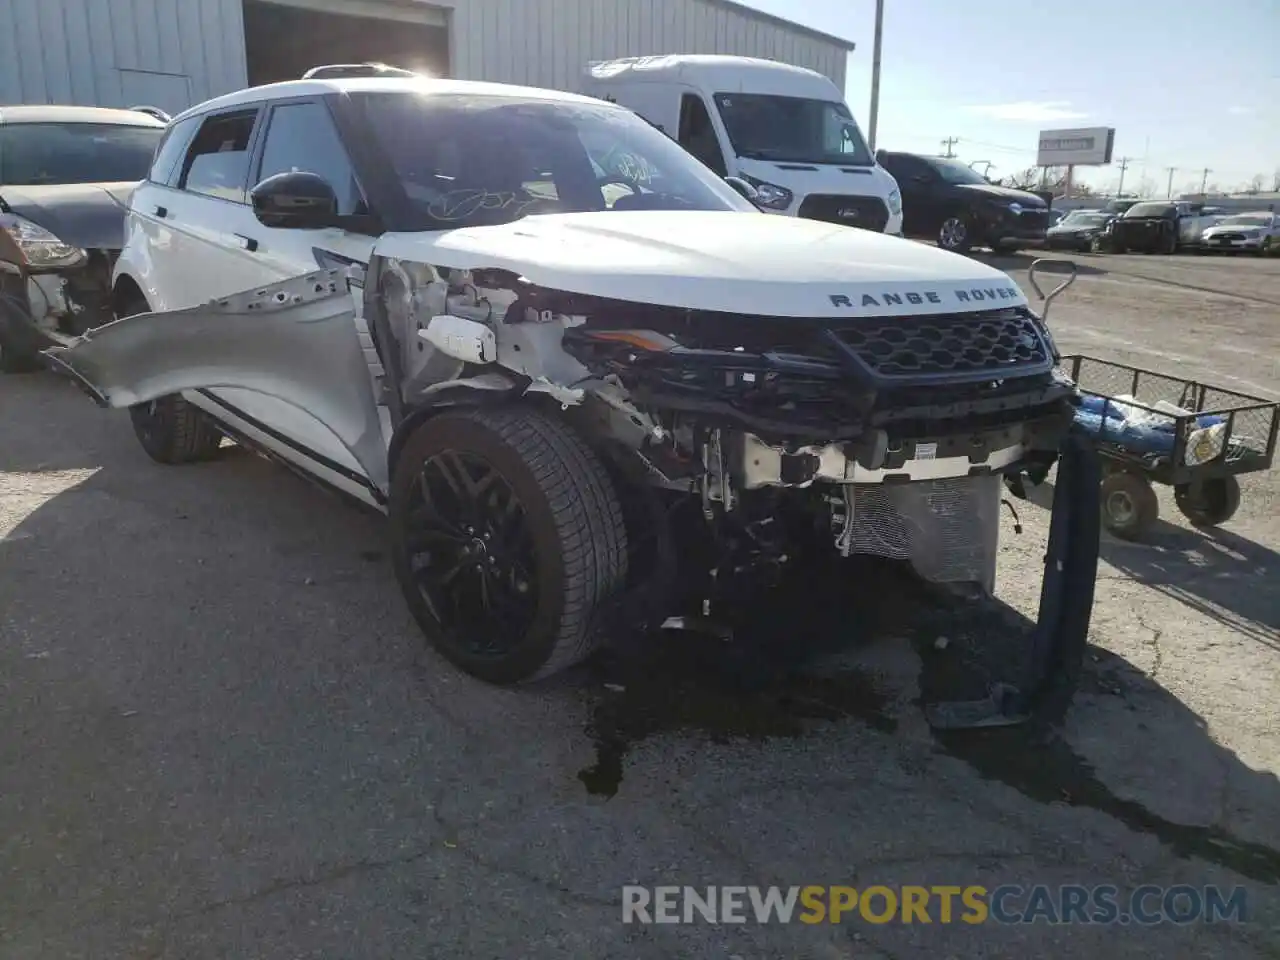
(1251, 232)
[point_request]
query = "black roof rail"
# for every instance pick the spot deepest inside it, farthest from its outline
(337, 70)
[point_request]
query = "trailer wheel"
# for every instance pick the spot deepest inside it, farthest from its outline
(1217, 503)
(1129, 505)
(508, 541)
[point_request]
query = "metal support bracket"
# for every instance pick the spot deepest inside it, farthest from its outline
(1040, 264)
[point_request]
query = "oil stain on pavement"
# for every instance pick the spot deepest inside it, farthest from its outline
(754, 686)
(757, 688)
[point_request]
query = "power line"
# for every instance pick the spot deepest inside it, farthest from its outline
(1171, 170)
(949, 143)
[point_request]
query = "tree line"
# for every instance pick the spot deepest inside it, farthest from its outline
(1055, 179)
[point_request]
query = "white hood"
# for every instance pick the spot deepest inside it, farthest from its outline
(749, 263)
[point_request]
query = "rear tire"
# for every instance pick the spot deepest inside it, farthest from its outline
(1218, 501)
(173, 432)
(519, 514)
(1129, 505)
(170, 429)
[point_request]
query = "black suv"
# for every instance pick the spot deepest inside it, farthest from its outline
(946, 201)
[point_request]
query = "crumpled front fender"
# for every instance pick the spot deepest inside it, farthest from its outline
(294, 341)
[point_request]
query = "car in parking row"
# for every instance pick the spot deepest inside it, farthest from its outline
(1257, 232)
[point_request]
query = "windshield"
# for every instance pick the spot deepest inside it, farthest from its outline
(1246, 220)
(1085, 219)
(1149, 210)
(792, 129)
(953, 171)
(480, 160)
(33, 154)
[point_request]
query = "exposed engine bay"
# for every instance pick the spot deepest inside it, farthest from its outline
(745, 441)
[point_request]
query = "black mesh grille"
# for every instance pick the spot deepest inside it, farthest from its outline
(994, 342)
(868, 213)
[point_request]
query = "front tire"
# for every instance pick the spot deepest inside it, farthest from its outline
(508, 540)
(956, 234)
(13, 360)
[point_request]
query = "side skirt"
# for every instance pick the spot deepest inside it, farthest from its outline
(252, 433)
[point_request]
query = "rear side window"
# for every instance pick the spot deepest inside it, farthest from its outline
(217, 165)
(904, 168)
(165, 167)
(302, 137)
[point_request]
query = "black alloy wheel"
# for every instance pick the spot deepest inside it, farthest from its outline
(472, 554)
(508, 540)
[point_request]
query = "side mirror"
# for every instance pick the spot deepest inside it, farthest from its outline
(747, 190)
(296, 200)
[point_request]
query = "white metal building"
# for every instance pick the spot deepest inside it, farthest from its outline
(173, 53)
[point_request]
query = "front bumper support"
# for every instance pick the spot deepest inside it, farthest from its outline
(1050, 668)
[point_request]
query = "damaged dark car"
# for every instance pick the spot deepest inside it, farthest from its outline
(593, 389)
(66, 174)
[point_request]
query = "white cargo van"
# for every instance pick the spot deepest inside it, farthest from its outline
(785, 130)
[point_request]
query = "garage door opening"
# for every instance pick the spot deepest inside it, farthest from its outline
(283, 40)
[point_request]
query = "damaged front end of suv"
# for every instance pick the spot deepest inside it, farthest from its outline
(569, 451)
(739, 444)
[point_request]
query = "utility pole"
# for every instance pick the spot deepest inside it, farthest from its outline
(1204, 179)
(1124, 165)
(1170, 187)
(875, 75)
(949, 143)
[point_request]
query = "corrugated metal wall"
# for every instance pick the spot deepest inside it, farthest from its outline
(172, 53)
(548, 42)
(111, 52)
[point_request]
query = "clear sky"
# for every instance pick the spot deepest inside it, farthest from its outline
(1186, 83)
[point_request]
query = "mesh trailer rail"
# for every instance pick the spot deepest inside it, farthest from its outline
(1152, 428)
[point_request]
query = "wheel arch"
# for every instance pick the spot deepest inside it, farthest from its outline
(470, 392)
(124, 292)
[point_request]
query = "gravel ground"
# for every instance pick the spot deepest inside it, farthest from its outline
(220, 735)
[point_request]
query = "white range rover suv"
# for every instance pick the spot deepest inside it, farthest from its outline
(591, 384)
